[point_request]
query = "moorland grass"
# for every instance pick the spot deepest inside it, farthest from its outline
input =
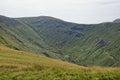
(19, 65)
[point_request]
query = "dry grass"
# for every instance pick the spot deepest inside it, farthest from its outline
(19, 65)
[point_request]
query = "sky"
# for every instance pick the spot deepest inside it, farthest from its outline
(78, 11)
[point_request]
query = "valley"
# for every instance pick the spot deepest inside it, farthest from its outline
(82, 44)
(47, 48)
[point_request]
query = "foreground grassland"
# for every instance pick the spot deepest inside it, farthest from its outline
(19, 65)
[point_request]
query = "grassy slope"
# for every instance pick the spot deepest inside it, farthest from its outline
(19, 36)
(99, 47)
(79, 43)
(19, 65)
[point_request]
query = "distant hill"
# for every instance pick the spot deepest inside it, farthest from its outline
(20, 36)
(88, 45)
(117, 21)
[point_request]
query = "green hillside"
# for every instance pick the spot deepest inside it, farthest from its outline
(24, 43)
(88, 45)
(82, 44)
(19, 65)
(20, 36)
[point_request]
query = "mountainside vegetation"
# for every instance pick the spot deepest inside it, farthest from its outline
(20, 65)
(19, 36)
(83, 44)
(97, 44)
(28, 46)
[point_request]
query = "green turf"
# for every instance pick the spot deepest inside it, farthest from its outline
(19, 65)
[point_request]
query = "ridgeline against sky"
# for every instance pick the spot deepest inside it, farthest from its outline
(80, 11)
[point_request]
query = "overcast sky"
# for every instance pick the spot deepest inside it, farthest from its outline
(79, 11)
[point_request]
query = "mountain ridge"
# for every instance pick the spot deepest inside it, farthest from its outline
(117, 20)
(83, 44)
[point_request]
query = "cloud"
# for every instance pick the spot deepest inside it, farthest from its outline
(81, 11)
(108, 2)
